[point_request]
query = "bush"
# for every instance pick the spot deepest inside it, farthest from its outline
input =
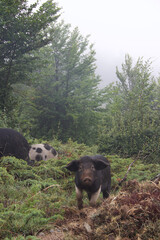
(145, 145)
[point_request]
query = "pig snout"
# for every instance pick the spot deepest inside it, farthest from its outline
(87, 180)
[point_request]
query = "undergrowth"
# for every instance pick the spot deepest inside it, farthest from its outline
(34, 197)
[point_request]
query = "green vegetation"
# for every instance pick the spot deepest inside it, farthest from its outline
(65, 88)
(34, 198)
(21, 31)
(49, 91)
(130, 126)
(49, 87)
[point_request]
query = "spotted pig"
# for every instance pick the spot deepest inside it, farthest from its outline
(42, 151)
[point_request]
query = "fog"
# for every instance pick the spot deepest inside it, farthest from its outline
(116, 28)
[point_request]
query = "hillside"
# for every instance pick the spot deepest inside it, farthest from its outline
(39, 202)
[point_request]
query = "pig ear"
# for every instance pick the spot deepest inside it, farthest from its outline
(99, 164)
(73, 166)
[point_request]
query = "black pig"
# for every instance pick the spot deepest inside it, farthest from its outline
(12, 143)
(92, 174)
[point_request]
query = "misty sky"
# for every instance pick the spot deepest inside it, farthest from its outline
(117, 27)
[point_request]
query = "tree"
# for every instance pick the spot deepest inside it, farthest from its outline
(132, 111)
(21, 30)
(67, 92)
(137, 86)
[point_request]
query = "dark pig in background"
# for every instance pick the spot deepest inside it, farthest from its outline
(92, 174)
(13, 143)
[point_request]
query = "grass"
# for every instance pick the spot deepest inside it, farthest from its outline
(35, 197)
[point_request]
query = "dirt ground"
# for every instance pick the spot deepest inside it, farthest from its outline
(133, 213)
(76, 221)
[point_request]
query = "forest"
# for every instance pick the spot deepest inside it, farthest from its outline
(50, 92)
(49, 88)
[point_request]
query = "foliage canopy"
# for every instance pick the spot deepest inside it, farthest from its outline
(21, 30)
(132, 113)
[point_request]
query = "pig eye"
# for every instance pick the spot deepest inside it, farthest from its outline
(80, 168)
(93, 168)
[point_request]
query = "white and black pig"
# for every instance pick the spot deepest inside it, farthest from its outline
(92, 174)
(42, 151)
